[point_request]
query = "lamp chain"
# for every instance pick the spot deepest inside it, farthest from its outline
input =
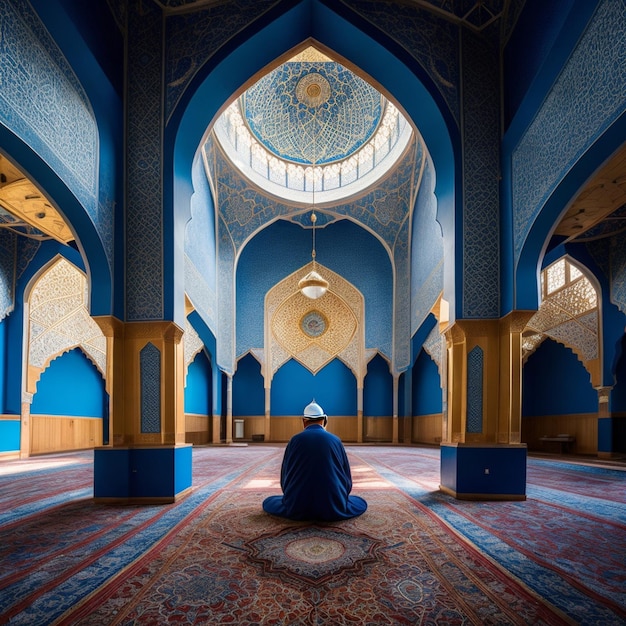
(313, 216)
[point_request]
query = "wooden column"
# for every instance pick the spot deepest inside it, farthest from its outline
(148, 460)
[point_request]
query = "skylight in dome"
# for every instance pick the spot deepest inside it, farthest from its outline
(312, 122)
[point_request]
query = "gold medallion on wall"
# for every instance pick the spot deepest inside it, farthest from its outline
(314, 332)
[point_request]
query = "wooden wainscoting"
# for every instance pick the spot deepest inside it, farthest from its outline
(344, 426)
(253, 427)
(197, 428)
(378, 429)
(582, 426)
(284, 427)
(427, 428)
(59, 433)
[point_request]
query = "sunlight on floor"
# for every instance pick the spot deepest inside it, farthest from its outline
(262, 483)
(33, 465)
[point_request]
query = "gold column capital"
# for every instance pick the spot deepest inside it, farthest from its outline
(109, 325)
(157, 330)
(454, 334)
(516, 321)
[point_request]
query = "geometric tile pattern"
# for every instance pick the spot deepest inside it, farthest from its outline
(43, 103)
(290, 175)
(481, 166)
(586, 98)
(194, 36)
(281, 115)
(150, 366)
(475, 367)
(434, 346)
(314, 332)
(431, 40)
(144, 195)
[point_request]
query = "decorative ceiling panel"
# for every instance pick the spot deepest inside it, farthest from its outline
(312, 112)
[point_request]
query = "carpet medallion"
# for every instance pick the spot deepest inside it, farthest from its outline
(312, 554)
(238, 565)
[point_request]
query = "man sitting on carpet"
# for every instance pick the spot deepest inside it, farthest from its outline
(315, 475)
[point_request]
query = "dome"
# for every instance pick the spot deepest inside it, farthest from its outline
(311, 123)
(312, 112)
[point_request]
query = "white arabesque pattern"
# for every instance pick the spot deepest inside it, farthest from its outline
(59, 320)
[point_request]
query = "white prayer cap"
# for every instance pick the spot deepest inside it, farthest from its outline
(313, 411)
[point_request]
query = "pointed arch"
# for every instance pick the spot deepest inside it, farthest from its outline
(57, 320)
(569, 314)
(258, 47)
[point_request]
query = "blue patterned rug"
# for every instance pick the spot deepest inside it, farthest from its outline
(416, 555)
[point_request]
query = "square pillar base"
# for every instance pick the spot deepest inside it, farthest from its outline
(484, 471)
(142, 474)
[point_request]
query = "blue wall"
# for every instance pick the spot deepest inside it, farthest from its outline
(71, 385)
(198, 386)
(293, 387)
(248, 391)
(529, 46)
(378, 389)
(9, 435)
(556, 383)
(427, 393)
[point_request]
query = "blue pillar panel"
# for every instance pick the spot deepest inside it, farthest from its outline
(484, 471)
(159, 473)
(111, 473)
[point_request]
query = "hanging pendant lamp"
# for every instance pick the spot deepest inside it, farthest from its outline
(313, 286)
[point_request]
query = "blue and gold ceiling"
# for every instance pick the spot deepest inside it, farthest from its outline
(312, 112)
(313, 126)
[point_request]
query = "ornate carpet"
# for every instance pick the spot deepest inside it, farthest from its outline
(415, 557)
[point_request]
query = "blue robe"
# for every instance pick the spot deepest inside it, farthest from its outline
(316, 480)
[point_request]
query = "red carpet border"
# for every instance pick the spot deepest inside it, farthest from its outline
(416, 555)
